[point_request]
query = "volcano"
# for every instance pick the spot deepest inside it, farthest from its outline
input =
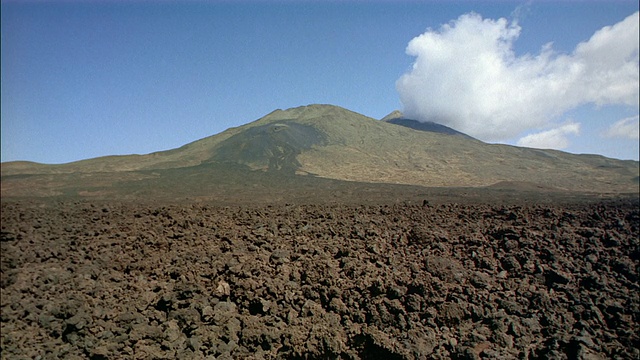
(322, 147)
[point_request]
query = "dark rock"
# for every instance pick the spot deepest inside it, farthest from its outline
(396, 281)
(554, 277)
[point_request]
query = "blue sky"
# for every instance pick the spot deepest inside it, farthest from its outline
(82, 79)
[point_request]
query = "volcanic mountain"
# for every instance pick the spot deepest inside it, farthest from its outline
(318, 147)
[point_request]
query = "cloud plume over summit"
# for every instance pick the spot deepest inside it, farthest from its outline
(466, 75)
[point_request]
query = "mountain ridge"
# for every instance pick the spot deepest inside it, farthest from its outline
(330, 142)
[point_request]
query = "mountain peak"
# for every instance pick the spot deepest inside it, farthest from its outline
(396, 117)
(395, 114)
(307, 112)
(428, 126)
(313, 108)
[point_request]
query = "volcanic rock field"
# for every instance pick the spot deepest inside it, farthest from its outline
(399, 281)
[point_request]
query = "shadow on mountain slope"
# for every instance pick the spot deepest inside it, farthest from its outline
(271, 147)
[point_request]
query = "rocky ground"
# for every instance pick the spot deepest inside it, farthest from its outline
(401, 281)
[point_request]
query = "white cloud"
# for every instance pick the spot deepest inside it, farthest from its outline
(551, 139)
(467, 76)
(628, 128)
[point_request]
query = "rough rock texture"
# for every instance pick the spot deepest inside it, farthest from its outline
(110, 281)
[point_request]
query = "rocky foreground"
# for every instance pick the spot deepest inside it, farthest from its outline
(125, 281)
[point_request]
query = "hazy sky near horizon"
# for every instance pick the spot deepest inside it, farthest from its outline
(82, 79)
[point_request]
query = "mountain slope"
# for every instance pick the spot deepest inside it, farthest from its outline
(323, 141)
(381, 152)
